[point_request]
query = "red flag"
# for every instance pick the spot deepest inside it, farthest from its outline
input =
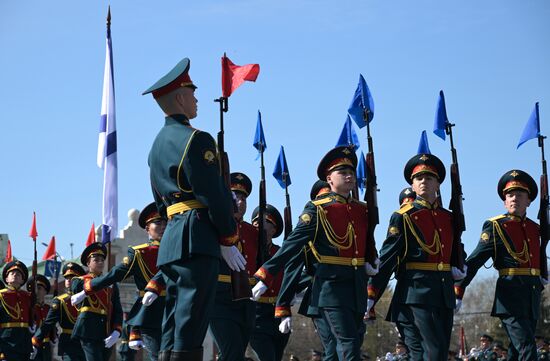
(50, 251)
(234, 75)
(9, 256)
(33, 233)
(91, 236)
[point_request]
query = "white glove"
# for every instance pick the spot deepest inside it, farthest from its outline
(258, 290)
(111, 340)
(458, 274)
(388, 357)
(372, 271)
(458, 304)
(78, 298)
(148, 298)
(544, 281)
(136, 345)
(32, 329)
(370, 303)
(285, 325)
(233, 258)
(34, 353)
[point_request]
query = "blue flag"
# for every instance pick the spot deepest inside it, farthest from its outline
(362, 105)
(259, 139)
(107, 149)
(281, 172)
(51, 268)
(423, 147)
(362, 172)
(348, 137)
(532, 128)
(441, 120)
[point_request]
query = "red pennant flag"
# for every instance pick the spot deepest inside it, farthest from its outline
(50, 251)
(234, 75)
(33, 233)
(9, 256)
(91, 236)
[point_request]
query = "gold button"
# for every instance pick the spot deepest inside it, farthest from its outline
(440, 266)
(415, 217)
(505, 225)
(435, 213)
(528, 239)
(354, 261)
(243, 241)
(440, 230)
(443, 280)
(530, 255)
(442, 246)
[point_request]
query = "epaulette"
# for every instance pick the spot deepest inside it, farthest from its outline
(497, 218)
(405, 208)
(364, 204)
(321, 201)
(3, 290)
(140, 246)
(63, 296)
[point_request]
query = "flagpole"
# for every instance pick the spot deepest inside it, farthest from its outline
(102, 240)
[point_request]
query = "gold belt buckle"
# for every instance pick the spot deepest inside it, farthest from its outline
(533, 272)
(354, 261)
(440, 266)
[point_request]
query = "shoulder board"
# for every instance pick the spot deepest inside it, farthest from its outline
(407, 207)
(63, 296)
(3, 290)
(361, 203)
(141, 246)
(497, 218)
(321, 201)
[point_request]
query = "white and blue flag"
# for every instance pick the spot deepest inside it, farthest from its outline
(106, 149)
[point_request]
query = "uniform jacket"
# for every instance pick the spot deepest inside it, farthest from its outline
(15, 319)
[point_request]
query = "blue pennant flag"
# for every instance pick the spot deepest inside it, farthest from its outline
(362, 172)
(532, 128)
(107, 149)
(259, 139)
(441, 120)
(361, 104)
(348, 137)
(423, 147)
(51, 268)
(281, 172)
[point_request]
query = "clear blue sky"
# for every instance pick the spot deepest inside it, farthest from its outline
(490, 57)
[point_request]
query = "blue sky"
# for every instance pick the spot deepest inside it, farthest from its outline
(491, 59)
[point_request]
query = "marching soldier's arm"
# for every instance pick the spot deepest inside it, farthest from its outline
(485, 249)
(156, 284)
(291, 285)
(203, 174)
(53, 317)
(117, 274)
(292, 246)
(116, 315)
(77, 285)
(391, 250)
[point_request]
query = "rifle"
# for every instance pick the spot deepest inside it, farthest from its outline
(240, 286)
(263, 252)
(455, 205)
(543, 212)
(288, 211)
(371, 190)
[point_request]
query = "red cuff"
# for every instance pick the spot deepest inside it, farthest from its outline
(282, 311)
(459, 292)
(117, 327)
(88, 286)
(36, 342)
(154, 287)
(371, 316)
(372, 292)
(263, 275)
(230, 240)
(134, 335)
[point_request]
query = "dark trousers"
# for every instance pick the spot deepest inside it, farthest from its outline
(8, 356)
(327, 339)
(127, 354)
(345, 326)
(74, 356)
(521, 332)
(44, 353)
(269, 347)
(190, 293)
(426, 331)
(95, 350)
(232, 333)
(151, 340)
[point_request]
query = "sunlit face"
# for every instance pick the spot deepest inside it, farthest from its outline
(484, 343)
(240, 199)
(96, 263)
(426, 186)
(187, 102)
(342, 181)
(516, 202)
(155, 229)
(14, 278)
(68, 284)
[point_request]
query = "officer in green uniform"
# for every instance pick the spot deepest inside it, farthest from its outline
(418, 249)
(141, 263)
(99, 320)
(63, 313)
(188, 187)
(335, 228)
(40, 311)
(15, 314)
(232, 322)
(513, 242)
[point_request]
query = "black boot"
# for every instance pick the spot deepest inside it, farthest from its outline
(193, 355)
(164, 356)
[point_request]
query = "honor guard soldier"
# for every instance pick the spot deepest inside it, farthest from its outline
(40, 311)
(232, 321)
(335, 228)
(418, 249)
(99, 321)
(15, 314)
(62, 312)
(188, 186)
(513, 242)
(141, 263)
(268, 343)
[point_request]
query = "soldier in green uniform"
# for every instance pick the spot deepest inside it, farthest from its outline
(126, 353)
(232, 322)
(99, 320)
(40, 311)
(335, 228)
(512, 240)
(418, 249)
(63, 313)
(141, 263)
(15, 314)
(188, 187)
